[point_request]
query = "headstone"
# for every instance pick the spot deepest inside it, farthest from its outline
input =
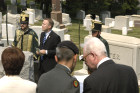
(56, 24)
(135, 17)
(31, 17)
(67, 37)
(66, 20)
(38, 30)
(106, 29)
(137, 23)
(105, 14)
(4, 41)
(88, 23)
(12, 9)
(0, 25)
(86, 19)
(23, 2)
(108, 21)
(13, 2)
(33, 11)
(38, 14)
(27, 70)
(97, 18)
(60, 32)
(11, 31)
(56, 14)
(80, 14)
(124, 50)
(12, 19)
(124, 30)
(121, 21)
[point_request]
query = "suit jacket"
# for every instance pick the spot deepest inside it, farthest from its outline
(15, 84)
(111, 78)
(58, 80)
(50, 44)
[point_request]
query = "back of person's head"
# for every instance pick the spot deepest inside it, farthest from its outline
(12, 60)
(66, 50)
(95, 45)
(51, 23)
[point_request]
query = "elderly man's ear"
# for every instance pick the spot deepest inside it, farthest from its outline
(56, 59)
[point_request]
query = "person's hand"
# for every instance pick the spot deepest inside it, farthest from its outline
(37, 52)
(42, 52)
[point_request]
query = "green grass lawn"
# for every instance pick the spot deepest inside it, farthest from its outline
(73, 31)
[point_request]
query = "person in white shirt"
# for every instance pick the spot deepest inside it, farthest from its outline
(12, 60)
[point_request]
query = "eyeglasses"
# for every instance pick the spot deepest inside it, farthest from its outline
(84, 57)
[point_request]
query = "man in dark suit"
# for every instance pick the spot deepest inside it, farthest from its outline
(48, 44)
(59, 79)
(107, 76)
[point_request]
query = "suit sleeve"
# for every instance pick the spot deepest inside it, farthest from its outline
(35, 45)
(57, 41)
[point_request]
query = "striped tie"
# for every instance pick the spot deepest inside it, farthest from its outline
(44, 39)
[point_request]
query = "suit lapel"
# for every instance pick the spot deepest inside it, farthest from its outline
(49, 36)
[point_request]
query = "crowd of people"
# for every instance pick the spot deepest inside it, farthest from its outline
(57, 61)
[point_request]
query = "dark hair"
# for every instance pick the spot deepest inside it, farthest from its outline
(50, 21)
(12, 60)
(64, 54)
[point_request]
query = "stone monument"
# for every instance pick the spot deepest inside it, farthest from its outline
(56, 13)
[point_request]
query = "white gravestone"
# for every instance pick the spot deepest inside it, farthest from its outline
(108, 21)
(86, 19)
(31, 17)
(38, 30)
(67, 37)
(12, 19)
(124, 50)
(124, 30)
(121, 21)
(106, 29)
(88, 24)
(27, 70)
(60, 32)
(11, 31)
(0, 24)
(4, 41)
(97, 18)
(38, 14)
(66, 20)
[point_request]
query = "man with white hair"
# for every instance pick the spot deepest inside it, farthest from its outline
(108, 77)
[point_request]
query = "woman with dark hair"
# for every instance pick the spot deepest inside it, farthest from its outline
(12, 61)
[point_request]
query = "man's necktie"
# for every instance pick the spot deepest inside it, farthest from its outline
(44, 39)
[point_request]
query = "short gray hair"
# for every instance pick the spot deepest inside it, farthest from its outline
(64, 53)
(95, 45)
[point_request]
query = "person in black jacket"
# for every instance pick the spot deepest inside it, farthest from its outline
(107, 76)
(48, 43)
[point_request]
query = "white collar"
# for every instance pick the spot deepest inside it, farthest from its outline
(102, 61)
